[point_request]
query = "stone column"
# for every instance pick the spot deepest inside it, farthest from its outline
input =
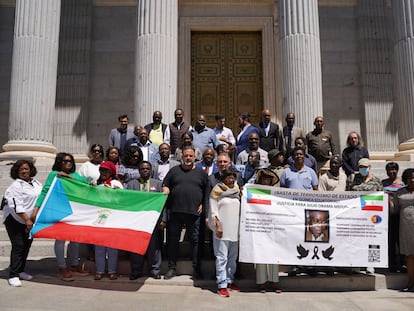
(33, 83)
(71, 114)
(377, 80)
(156, 60)
(403, 13)
(300, 60)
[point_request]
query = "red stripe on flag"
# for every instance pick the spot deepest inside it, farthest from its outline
(372, 208)
(260, 201)
(124, 239)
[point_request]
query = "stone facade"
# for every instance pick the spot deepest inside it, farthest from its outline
(101, 73)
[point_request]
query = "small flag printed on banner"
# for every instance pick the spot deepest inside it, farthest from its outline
(372, 203)
(258, 196)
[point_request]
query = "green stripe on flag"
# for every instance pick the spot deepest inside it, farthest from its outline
(260, 191)
(372, 197)
(119, 199)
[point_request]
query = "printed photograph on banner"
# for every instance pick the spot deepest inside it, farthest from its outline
(317, 226)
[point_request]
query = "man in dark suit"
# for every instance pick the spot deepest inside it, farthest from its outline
(270, 133)
(161, 167)
(246, 129)
(145, 183)
(290, 133)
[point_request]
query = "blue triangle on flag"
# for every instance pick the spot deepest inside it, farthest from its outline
(56, 208)
(363, 202)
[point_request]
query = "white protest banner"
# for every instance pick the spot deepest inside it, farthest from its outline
(296, 227)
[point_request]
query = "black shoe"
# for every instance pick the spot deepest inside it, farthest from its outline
(156, 276)
(293, 272)
(198, 275)
(170, 274)
(135, 276)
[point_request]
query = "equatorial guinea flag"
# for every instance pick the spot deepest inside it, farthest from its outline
(117, 218)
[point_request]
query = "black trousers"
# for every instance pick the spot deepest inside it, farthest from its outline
(20, 246)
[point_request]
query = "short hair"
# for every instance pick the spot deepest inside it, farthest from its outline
(129, 155)
(14, 170)
(188, 147)
(93, 146)
(144, 162)
(122, 116)
(226, 173)
(406, 175)
(187, 133)
(109, 150)
(301, 138)
(348, 139)
(245, 116)
(392, 165)
(298, 148)
(219, 117)
(57, 166)
(336, 157)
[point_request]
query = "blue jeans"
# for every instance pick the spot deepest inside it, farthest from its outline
(73, 253)
(100, 259)
(226, 255)
(175, 222)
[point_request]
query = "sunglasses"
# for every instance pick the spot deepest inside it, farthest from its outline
(67, 161)
(97, 151)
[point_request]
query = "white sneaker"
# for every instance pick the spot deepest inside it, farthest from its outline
(15, 282)
(370, 270)
(25, 276)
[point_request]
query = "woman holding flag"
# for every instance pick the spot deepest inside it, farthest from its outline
(64, 166)
(20, 200)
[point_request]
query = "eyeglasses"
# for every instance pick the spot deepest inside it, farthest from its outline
(67, 161)
(97, 151)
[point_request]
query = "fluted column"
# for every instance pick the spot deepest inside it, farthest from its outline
(300, 60)
(33, 83)
(377, 85)
(156, 59)
(73, 77)
(403, 13)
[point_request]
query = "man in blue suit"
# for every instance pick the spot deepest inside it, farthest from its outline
(246, 129)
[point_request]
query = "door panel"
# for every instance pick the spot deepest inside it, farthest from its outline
(226, 75)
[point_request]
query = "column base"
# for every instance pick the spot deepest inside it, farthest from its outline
(406, 151)
(40, 152)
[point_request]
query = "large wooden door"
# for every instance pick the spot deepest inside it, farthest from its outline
(226, 76)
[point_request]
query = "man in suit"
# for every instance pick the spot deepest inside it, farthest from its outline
(246, 129)
(290, 133)
(161, 167)
(207, 164)
(270, 133)
(147, 184)
(119, 136)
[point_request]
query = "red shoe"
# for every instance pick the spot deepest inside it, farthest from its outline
(233, 286)
(223, 292)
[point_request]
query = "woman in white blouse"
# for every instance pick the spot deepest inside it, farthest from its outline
(20, 198)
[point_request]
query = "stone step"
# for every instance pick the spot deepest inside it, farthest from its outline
(39, 248)
(44, 270)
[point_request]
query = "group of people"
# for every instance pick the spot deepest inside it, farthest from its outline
(202, 170)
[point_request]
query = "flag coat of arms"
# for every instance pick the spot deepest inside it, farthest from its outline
(117, 218)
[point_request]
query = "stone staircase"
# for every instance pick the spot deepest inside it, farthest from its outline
(42, 261)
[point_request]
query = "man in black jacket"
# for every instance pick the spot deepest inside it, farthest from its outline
(270, 133)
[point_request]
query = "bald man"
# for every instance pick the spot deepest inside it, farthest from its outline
(270, 133)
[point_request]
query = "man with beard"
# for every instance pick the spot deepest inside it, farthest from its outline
(187, 187)
(246, 128)
(119, 136)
